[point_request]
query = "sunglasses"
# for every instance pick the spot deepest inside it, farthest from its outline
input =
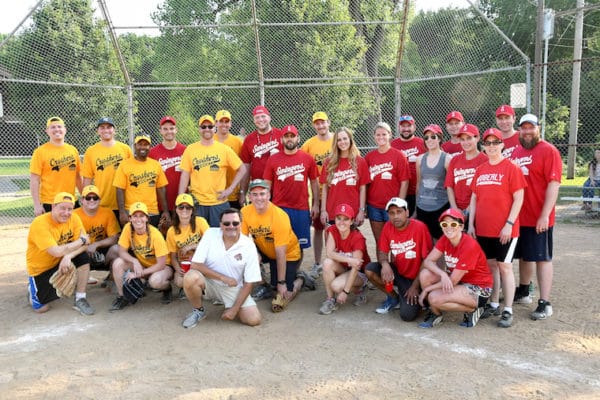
(92, 198)
(493, 143)
(207, 126)
(229, 223)
(427, 137)
(453, 224)
(184, 207)
(406, 118)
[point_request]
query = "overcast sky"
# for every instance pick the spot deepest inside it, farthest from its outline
(137, 12)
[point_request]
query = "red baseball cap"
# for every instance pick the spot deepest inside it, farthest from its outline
(260, 110)
(433, 128)
(453, 213)
(166, 119)
(493, 132)
(345, 210)
(455, 115)
(469, 129)
(505, 109)
(289, 129)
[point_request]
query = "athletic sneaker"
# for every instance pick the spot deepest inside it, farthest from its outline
(431, 320)
(167, 296)
(307, 281)
(119, 304)
(389, 304)
(193, 318)
(361, 296)
(506, 320)
(316, 270)
(523, 297)
(262, 292)
(489, 311)
(328, 307)
(83, 307)
(543, 310)
(470, 319)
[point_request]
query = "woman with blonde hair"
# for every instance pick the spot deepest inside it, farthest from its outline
(344, 177)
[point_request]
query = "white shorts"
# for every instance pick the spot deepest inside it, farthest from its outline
(226, 294)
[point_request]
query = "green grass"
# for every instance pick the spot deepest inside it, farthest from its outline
(17, 208)
(14, 166)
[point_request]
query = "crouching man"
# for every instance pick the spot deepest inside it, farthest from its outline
(224, 267)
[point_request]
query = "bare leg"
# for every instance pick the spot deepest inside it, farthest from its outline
(545, 274)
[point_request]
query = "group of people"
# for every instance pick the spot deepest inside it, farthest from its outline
(447, 218)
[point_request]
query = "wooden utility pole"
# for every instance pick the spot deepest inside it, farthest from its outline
(538, 60)
(577, 53)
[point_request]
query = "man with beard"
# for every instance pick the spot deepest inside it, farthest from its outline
(289, 174)
(141, 179)
(204, 167)
(542, 167)
(505, 121)
(412, 147)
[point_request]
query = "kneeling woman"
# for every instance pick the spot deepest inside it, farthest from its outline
(467, 282)
(142, 256)
(343, 269)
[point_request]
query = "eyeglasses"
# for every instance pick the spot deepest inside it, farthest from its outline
(184, 207)
(494, 143)
(427, 137)
(228, 223)
(92, 198)
(453, 224)
(406, 118)
(207, 126)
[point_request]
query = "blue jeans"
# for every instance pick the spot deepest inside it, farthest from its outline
(589, 193)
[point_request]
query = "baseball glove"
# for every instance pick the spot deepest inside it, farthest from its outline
(133, 289)
(97, 261)
(163, 225)
(64, 284)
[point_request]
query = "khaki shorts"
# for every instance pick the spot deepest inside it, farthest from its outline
(226, 294)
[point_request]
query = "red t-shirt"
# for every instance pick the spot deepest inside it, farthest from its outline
(408, 246)
(510, 144)
(257, 149)
(169, 160)
(494, 186)
(540, 166)
(387, 171)
(345, 185)
(459, 174)
(354, 241)
(411, 149)
(452, 148)
(469, 257)
(290, 175)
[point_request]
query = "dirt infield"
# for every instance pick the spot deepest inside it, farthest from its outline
(143, 352)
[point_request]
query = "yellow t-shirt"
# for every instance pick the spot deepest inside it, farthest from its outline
(270, 230)
(177, 241)
(235, 143)
(100, 163)
(57, 167)
(146, 254)
(139, 180)
(319, 149)
(208, 167)
(45, 232)
(102, 225)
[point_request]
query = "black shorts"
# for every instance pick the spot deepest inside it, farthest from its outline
(534, 246)
(494, 250)
(431, 219)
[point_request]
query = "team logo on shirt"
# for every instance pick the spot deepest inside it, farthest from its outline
(149, 177)
(319, 158)
(208, 160)
(264, 148)
(169, 162)
(402, 247)
(381, 169)
(65, 161)
(523, 162)
(113, 160)
(96, 233)
(411, 154)
(195, 238)
(461, 174)
(450, 261)
(65, 237)
(260, 232)
(285, 172)
(490, 179)
(345, 175)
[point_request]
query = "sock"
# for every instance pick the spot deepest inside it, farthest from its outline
(494, 305)
(509, 309)
(79, 295)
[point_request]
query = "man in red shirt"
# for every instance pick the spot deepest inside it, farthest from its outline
(454, 122)
(412, 147)
(542, 167)
(505, 121)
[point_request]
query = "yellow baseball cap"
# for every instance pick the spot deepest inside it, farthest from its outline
(52, 120)
(138, 206)
(320, 115)
(90, 189)
(184, 198)
(143, 137)
(64, 197)
(223, 114)
(206, 118)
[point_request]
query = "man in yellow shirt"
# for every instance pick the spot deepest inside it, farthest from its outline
(204, 166)
(54, 168)
(55, 240)
(223, 135)
(319, 147)
(100, 163)
(270, 228)
(142, 179)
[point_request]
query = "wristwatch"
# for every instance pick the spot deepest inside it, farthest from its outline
(83, 240)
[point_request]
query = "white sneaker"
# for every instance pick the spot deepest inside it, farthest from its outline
(316, 271)
(328, 307)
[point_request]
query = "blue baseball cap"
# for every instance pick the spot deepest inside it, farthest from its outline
(105, 120)
(406, 118)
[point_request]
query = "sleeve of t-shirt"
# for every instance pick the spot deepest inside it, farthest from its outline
(358, 242)
(201, 225)
(384, 240)
(364, 177)
(323, 177)
(246, 154)
(120, 180)
(449, 181)
(125, 238)
(161, 180)
(554, 167)
(35, 166)
(171, 243)
(41, 240)
(186, 161)
(113, 226)
(268, 173)
(233, 160)
(404, 174)
(87, 169)
(158, 242)
(313, 171)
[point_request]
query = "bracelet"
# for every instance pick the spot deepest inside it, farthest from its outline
(362, 209)
(510, 222)
(282, 282)
(345, 291)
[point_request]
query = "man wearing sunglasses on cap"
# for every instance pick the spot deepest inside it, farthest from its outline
(102, 228)
(204, 167)
(224, 268)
